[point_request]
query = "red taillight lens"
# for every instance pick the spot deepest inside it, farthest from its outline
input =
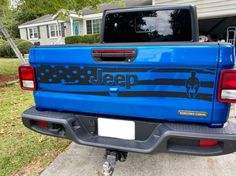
(208, 143)
(227, 86)
(229, 80)
(27, 77)
(26, 73)
(42, 124)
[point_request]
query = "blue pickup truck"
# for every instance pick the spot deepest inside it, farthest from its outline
(148, 86)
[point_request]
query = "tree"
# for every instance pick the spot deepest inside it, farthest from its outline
(33, 8)
(27, 10)
(7, 15)
(4, 8)
(30, 9)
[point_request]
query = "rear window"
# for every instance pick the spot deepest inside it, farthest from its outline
(148, 26)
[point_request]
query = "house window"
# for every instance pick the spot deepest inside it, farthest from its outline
(93, 26)
(96, 26)
(53, 31)
(89, 27)
(33, 33)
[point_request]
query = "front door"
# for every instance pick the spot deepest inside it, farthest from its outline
(76, 28)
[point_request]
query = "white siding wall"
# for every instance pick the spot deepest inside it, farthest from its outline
(44, 40)
(67, 29)
(81, 28)
(207, 8)
(23, 34)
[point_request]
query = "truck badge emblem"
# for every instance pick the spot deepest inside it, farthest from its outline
(192, 113)
(192, 85)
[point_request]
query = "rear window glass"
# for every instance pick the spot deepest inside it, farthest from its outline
(148, 26)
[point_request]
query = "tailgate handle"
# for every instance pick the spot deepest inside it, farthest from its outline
(114, 55)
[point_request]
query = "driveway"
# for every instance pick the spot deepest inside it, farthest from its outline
(80, 160)
(87, 161)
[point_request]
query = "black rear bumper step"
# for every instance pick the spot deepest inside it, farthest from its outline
(150, 137)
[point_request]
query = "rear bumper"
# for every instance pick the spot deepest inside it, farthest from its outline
(150, 137)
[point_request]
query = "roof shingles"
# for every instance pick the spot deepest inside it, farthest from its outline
(42, 19)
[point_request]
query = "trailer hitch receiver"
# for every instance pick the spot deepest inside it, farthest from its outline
(112, 157)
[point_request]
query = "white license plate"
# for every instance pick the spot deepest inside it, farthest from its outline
(121, 129)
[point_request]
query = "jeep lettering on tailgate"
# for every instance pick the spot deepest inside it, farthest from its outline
(126, 80)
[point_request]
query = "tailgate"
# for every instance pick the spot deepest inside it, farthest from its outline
(167, 82)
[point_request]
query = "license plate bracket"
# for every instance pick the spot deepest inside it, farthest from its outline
(122, 129)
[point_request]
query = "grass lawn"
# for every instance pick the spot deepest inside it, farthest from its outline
(9, 66)
(8, 70)
(22, 151)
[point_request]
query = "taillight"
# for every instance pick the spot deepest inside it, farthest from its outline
(27, 77)
(208, 143)
(42, 124)
(227, 86)
(114, 51)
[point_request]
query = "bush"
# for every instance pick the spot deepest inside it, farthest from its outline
(2, 47)
(91, 38)
(2, 50)
(17, 41)
(24, 46)
(2, 41)
(6, 50)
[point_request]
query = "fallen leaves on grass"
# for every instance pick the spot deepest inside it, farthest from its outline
(19, 146)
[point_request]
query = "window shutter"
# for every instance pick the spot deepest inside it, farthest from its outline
(27, 37)
(89, 26)
(47, 31)
(39, 32)
(62, 30)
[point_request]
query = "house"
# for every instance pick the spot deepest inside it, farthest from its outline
(45, 30)
(50, 30)
(217, 18)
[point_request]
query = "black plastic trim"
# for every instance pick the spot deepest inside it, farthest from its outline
(159, 136)
(120, 57)
(191, 8)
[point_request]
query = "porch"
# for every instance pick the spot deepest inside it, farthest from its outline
(83, 25)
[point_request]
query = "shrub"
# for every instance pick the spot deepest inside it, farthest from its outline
(91, 38)
(2, 47)
(24, 46)
(2, 41)
(17, 41)
(2, 51)
(6, 50)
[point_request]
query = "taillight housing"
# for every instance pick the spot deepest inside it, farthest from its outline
(27, 77)
(227, 86)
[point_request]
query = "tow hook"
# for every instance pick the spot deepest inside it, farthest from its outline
(112, 157)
